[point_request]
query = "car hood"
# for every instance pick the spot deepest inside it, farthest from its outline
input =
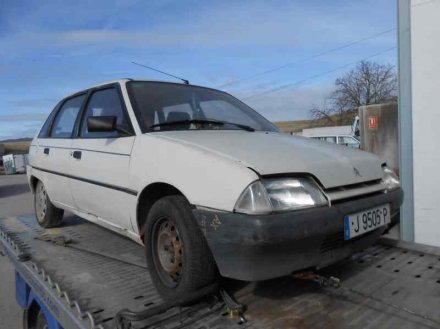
(271, 153)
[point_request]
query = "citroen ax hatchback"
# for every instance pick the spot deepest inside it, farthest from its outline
(206, 184)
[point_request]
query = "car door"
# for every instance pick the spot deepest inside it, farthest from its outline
(52, 159)
(100, 162)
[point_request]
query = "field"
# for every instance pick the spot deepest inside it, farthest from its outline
(16, 147)
(298, 126)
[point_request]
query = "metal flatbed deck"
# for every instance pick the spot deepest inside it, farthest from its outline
(85, 274)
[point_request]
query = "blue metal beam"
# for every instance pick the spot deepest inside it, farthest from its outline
(405, 120)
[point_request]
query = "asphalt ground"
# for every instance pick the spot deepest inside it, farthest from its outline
(15, 199)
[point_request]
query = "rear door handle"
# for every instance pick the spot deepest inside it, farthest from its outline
(46, 150)
(76, 154)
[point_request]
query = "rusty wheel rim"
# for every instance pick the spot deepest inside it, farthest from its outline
(41, 322)
(41, 202)
(168, 252)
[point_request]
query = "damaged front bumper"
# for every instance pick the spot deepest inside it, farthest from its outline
(260, 247)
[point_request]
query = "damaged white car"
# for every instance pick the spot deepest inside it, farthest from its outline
(206, 184)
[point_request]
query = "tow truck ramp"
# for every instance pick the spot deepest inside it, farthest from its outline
(83, 275)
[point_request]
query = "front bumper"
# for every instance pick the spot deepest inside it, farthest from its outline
(260, 247)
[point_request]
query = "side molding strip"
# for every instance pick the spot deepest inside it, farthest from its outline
(113, 187)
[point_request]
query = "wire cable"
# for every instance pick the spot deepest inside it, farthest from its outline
(307, 59)
(317, 75)
(153, 69)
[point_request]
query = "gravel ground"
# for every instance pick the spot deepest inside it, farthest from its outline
(15, 199)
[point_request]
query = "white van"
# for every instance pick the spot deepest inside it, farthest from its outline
(346, 140)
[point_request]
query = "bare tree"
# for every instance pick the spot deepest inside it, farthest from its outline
(369, 83)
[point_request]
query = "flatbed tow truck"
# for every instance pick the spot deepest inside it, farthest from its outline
(81, 276)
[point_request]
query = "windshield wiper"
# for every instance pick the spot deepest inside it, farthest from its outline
(202, 121)
(239, 125)
(179, 122)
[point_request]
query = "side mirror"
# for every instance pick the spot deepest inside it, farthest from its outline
(101, 124)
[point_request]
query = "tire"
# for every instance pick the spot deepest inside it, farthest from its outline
(178, 257)
(34, 320)
(41, 322)
(46, 213)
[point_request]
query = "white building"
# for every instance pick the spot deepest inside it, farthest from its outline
(419, 114)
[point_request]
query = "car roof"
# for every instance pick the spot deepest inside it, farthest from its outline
(125, 80)
(120, 81)
(81, 91)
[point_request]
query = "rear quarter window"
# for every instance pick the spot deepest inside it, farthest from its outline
(45, 129)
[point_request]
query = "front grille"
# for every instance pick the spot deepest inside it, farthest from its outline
(346, 192)
(333, 241)
(337, 241)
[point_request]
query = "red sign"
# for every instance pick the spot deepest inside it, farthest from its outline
(373, 122)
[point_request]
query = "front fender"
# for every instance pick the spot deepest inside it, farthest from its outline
(206, 179)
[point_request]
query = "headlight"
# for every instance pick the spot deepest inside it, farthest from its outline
(390, 179)
(279, 194)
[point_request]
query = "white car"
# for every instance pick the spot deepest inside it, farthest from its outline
(206, 184)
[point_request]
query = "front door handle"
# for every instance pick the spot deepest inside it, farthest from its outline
(46, 150)
(76, 154)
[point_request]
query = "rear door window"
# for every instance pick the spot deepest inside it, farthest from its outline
(66, 117)
(104, 102)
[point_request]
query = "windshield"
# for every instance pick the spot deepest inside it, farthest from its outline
(163, 106)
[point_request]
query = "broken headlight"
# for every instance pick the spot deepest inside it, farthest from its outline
(390, 179)
(280, 194)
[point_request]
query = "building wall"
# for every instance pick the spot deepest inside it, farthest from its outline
(425, 59)
(380, 138)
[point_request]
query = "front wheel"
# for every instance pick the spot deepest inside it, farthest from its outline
(46, 213)
(41, 322)
(35, 320)
(178, 257)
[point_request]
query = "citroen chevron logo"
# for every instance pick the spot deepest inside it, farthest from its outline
(356, 172)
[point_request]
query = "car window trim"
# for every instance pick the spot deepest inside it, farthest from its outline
(90, 92)
(145, 129)
(82, 93)
(52, 113)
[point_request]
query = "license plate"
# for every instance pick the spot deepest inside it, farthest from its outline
(366, 221)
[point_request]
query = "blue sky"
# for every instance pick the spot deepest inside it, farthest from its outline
(49, 49)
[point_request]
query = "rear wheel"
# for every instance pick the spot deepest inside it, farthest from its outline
(46, 213)
(178, 257)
